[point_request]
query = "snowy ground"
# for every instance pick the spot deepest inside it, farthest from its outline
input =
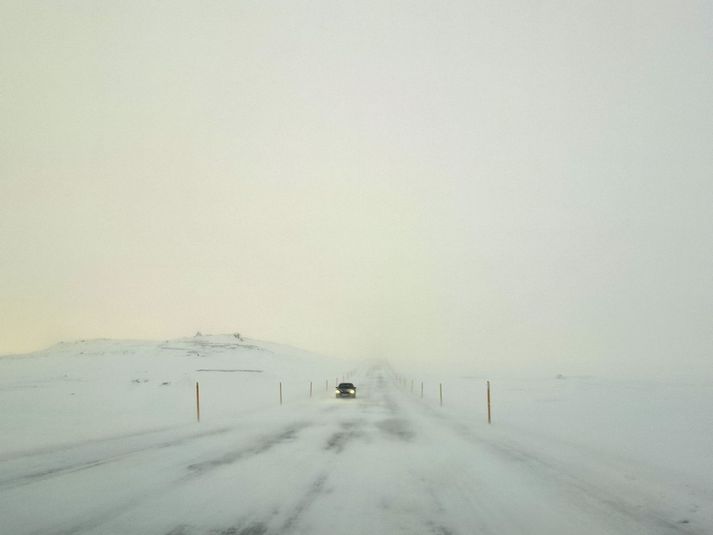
(100, 437)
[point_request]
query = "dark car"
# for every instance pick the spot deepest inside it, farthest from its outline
(346, 390)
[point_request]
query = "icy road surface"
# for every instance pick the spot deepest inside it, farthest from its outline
(384, 463)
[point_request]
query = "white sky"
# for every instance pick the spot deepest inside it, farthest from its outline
(491, 184)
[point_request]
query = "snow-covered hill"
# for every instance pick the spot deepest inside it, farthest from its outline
(91, 389)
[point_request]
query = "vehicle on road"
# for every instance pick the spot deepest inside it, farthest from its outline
(346, 390)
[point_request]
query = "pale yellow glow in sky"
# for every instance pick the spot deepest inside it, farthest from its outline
(486, 184)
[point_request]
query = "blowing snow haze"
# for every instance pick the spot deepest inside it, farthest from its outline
(475, 184)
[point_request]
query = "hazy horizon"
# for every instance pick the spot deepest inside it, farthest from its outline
(521, 185)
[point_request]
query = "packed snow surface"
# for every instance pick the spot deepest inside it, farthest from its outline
(102, 437)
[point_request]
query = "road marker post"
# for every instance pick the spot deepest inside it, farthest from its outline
(310, 389)
(280, 392)
(421, 389)
(489, 419)
(198, 402)
(440, 390)
(326, 385)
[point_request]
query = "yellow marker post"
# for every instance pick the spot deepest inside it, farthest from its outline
(198, 402)
(489, 419)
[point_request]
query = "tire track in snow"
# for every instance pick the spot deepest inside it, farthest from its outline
(313, 493)
(60, 470)
(93, 520)
(349, 432)
(263, 445)
(38, 452)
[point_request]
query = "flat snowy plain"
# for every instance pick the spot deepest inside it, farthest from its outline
(100, 437)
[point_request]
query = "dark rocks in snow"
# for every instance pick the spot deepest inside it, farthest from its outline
(228, 371)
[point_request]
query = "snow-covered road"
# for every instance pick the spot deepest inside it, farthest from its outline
(384, 463)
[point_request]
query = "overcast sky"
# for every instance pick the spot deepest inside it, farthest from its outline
(489, 184)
